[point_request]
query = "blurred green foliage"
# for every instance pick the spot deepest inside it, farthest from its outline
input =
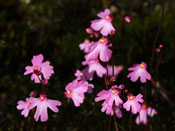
(55, 29)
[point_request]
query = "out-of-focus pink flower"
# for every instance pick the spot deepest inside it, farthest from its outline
(92, 33)
(84, 74)
(158, 50)
(133, 103)
(85, 46)
(110, 110)
(24, 105)
(127, 19)
(112, 101)
(95, 65)
(38, 68)
(117, 70)
(142, 117)
(100, 49)
(42, 103)
(75, 90)
(139, 70)
(103, 24)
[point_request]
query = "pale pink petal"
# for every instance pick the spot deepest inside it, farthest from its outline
(105, 54)
(107, 29)
(37, 60)
(44, 114)
(151, 112)
(38, 112)
(93, 55)
(52, 105)
(139, 98)
(29, 69)
(47, 70)
(35, 78)
(126, 106)
(97, 24)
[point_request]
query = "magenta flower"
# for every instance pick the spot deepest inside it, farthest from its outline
(110, 96)
(84, 74)
(139, 70)
(75, 90)
(110, 110)
(133, 103)
(24, 105)
(42, 103)
(100, 49)
(95, 65)
(103, 24)
(112, 101)
(117, 70)
(39, 68)
(85, 46)
(142, 117)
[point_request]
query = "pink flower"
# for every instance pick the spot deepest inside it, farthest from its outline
(94, 65)
(42, 103)
(75, 90)
(84, 74)
(142, 117)
(100, 49)
(85, 46)
(117, 70)
(24, 105)
(39, 68)
(110, 96)
(103, 24)
(110, 110)
(139, 70)
(133, 103)
(127, 19)
(112, 101)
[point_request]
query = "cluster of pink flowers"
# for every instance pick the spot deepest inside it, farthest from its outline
(97, 53)
(97, 56)
(41, 72)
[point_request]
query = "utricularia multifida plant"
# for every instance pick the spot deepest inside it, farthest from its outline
(98, 53)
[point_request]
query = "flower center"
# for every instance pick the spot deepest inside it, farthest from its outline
(42, 98)
(102, 41)
(36, 71)
(118, 68)
(28, 103)
(81, 74)
(107, 17)
(113, 91)
(68, 92)
(142, 66)
(131, 97)
(143, 106)
(86, 41)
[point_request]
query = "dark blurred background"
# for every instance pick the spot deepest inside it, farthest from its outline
(55, 28)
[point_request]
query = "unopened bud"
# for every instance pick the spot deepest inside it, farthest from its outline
(127, 19)
(160, 46)
(112, 32)
(96, 34)
(89, 30)
(113, 79)
(33, 93)
(44, 82)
